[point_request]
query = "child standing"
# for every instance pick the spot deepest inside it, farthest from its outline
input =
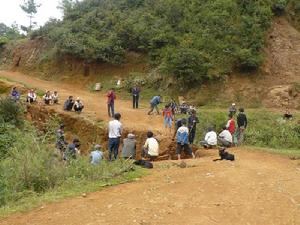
(168, 118)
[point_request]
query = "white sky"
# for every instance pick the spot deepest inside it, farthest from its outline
(11, 12)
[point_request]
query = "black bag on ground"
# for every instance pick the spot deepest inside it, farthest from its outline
(144, 164)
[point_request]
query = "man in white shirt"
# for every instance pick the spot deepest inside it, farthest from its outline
(151, 147)
(114, 135)
(31, 96)
(210, 139)
(225, 138)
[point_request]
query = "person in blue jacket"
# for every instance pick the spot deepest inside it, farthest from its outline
(15, 95)
(182, 139)
(154, 103)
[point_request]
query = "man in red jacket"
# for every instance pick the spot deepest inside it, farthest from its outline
(111, 96)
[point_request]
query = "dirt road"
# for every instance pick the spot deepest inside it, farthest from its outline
(258, 188)
(95, 103)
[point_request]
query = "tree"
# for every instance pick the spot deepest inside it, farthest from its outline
(30, 8)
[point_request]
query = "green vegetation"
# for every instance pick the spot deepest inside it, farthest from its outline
(192, 41)
(30, 8)
(293, 10)
(8, 33)
(266, 129)
(31, 171)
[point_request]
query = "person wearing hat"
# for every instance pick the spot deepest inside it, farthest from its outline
(96, 155)
(129, 147)
(232, 109)
(78, 105)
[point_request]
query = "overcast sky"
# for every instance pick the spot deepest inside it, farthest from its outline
(10, 12)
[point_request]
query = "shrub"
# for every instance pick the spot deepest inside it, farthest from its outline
(188, 66)
(7, 138)
(279, 7)
(248, 61)
(3, 41)
(10, 111)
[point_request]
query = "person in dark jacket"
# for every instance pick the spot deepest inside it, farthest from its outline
(69, 103)
(192, 123)
(135, 97)
(242, 123)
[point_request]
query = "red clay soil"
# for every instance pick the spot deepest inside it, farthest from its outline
(258, 188)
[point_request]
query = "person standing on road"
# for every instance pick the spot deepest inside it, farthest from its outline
(135, 97)
(114, 135)
(182, 139)
(111, 96)
(242, 125)
(155, 101)
(192, 123)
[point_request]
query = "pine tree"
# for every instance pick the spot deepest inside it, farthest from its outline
(30, 8)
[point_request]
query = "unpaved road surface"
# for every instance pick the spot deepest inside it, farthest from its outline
(258, 188)
(95, 103)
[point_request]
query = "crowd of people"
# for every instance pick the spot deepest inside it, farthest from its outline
(184, 134)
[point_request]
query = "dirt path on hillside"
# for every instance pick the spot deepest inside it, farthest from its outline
(258, 188)
(95, 103)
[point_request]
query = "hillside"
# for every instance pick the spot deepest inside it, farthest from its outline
(193, 41)
(201, 46)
